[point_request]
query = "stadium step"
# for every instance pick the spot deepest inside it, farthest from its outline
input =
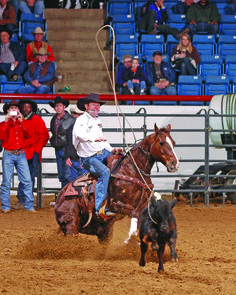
(72, 36)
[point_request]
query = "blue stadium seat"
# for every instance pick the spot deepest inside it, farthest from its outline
(211, 65)
(190, 85)
(228, 18)
(226, 45)
(138, 4)
(234, 85)
(11, 87)
(126, 44)
(171, 42)
(205, 44)
(217, 85)
(123, 18)
(28, 23)
(151, 43)
(230, 67)
(222, 7)
(124, 28)
(177, 21)
(119, 8)
(228, 24)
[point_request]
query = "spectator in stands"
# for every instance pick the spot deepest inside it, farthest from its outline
(185, 56)
(160, 76)
(40, 75)
(59, 125)
(73, 4)
(34, 145)
(135, 78)
(152, 21)
(33, 47)
(14, 132)
(15, 4)
(127, 61)
(31, 6)
(7, 16)
(183, 5)
(232, 7)
(203, 17)
(71, 156)
(12, 56)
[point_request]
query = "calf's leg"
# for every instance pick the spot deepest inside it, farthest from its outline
(144, 248)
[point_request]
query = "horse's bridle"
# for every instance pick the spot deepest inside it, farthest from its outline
(147, 154)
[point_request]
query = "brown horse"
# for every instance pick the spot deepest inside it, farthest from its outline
(129, 189)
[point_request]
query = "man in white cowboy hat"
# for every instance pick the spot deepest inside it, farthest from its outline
(59, 125)
(92, 146)
(31, 6)
(40, 75)
(33, 47)
(14, 132)
(71, 156)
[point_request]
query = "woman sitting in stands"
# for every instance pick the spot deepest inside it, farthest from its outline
(185, 57)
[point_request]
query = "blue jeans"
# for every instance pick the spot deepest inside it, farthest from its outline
(142, 84)
(5, 68)
(64, 175)
(232, 8)
(170, 90)
(204, 27)
(33, 168)
(38, 7)
(76, 170)
(10, 161)
(186, 68)
(43, 89)
(96, 165)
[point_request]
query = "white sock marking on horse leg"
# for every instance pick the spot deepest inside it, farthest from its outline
(171, 145)
(133, 229)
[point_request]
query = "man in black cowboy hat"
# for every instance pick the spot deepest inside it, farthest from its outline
(34, 145)
(59, 125)
(14, 132)
(12, 57)
(93, 148)
(40, 75)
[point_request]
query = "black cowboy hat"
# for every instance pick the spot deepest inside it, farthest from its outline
(9, 32)
(92, 97)
(58, 99)
(29, 101)
(11, 103)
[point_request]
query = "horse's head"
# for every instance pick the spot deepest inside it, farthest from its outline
(162, 148)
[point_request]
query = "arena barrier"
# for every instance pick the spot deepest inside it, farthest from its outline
(190, 129)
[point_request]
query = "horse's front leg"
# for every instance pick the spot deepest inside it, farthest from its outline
(133, 229)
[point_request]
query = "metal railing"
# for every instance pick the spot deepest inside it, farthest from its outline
(143, 123)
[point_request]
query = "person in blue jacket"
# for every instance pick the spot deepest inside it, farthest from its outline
(160, 76)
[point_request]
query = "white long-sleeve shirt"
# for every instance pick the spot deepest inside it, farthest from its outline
(86, 129)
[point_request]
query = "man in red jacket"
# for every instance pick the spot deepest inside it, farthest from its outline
(34, 144)
(14, 132)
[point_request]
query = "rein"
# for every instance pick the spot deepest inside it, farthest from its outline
(147, 154)
(133, 180)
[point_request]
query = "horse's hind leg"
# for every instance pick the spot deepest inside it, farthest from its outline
(105, 232)
(68, 217)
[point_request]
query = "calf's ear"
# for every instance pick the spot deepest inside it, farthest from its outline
(173, 203)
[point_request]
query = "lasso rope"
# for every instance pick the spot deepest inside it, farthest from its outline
(118, 109)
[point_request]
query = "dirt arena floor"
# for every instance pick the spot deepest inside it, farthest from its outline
(36, 259)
